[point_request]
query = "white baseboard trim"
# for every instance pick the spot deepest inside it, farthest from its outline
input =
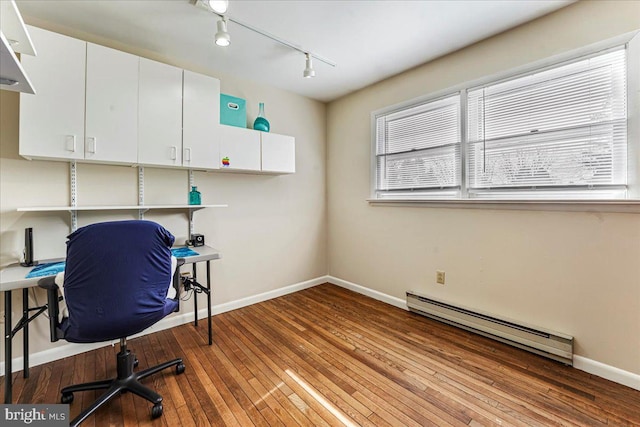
(396, 302)
(254, 299)
(608, 372)
(71, 349)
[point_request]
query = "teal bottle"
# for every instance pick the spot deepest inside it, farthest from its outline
(194, 196)
(261, 123)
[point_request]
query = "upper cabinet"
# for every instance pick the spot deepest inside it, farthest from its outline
(178, 115)
(252, 151)
(160, 114)
(239, 149)
(201, 121)
(278, 153)
(111, 132)
(52, 123)
(102, 105)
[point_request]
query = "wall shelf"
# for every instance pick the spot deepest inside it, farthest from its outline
(11, 69)
(14, 29)
(14, 38)
(141, 209)
(117, 208)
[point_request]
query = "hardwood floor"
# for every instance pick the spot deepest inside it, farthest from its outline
(326, 356)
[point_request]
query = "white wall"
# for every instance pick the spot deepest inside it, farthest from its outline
(573, 272)
(273, 234)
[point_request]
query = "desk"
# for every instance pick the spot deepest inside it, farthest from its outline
(13, 278)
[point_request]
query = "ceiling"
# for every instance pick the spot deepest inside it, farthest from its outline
(368, 40)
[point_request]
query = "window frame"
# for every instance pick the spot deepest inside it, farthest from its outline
(630, 40)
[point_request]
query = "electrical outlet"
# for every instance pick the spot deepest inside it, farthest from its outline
(440, 277)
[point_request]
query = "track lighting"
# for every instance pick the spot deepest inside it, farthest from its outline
(222, 37)
(308, 70)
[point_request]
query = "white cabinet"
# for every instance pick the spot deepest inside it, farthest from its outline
(179, 117)
(239, 149)
(201, 121)
(52, 122)
(249, 150)
(278, 153)
(159, 114)
(111, 132)
(86, 105)
(102, 105)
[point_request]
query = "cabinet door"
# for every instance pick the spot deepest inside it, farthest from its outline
(52, 120)
(159, 114)
(278, 153)
(201, 121)
(239, 149)
(111, 132)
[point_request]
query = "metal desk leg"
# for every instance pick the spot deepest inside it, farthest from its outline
(195, 296)
(25, 333)
(209, 299)
(7, 348)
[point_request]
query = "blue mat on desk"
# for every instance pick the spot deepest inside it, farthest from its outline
(183, 252)
(49, 269)
(53, 268)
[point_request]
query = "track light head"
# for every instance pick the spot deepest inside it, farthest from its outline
(222, 37)
(219, 6)
(308, 70)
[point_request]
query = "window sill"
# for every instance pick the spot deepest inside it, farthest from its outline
(616, 206)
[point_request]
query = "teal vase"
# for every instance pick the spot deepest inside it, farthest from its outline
(261, 123)
(194, 196)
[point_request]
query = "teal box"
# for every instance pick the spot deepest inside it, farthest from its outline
(233, 111)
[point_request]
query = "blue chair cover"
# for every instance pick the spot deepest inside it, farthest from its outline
(116, 280)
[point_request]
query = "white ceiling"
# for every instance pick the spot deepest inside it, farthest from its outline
(368, 40)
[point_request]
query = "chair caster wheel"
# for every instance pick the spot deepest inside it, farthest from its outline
(180, 368)
(66, 398)
(156, 411)
(136, 362)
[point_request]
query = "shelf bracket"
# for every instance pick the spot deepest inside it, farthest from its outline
(191, 184)
(141, 192)
(73, 178)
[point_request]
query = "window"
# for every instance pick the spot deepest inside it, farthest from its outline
(557, 133)
(562, 130)
(418, 149)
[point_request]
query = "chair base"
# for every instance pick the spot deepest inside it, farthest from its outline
(127, 380)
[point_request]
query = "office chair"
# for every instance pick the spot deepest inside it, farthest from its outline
(116, 282)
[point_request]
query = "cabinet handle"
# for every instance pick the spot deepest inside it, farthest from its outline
(91, 145)
(71, 143)
(187, 154)
(174, 152)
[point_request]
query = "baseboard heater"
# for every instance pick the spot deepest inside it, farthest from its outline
(536, 340)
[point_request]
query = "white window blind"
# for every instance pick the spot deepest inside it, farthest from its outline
(558, 133)
(418, 149)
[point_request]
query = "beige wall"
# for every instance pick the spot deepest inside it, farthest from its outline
(273, 233)
(573, 272)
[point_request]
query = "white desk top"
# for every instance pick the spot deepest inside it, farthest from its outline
(14, 276)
